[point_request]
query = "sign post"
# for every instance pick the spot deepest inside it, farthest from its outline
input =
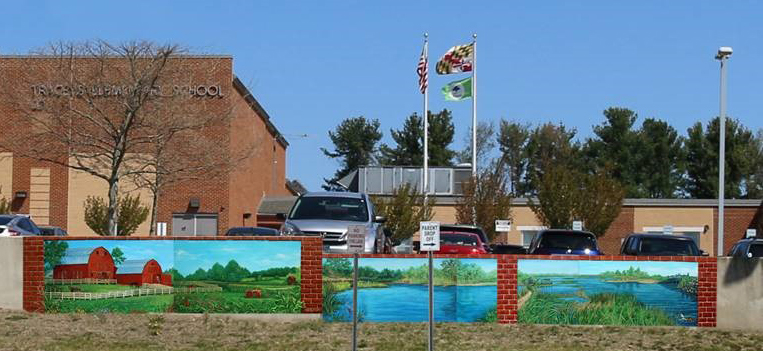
(751, 233)
(502, 225)
(356, 238)
(577, 225)
(430, 241)
(667, 229)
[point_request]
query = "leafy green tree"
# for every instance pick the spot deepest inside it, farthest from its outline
(217, 273)
(54, 252)
(337, 267)
(512, 142)
(118, 256)
(485, 144)
(550, 144)
(355, 142)
(409, 149)
(753, 182)
(404, 210)
(450, 269)
(176, 275)
(198, 275)
(486, 197)
(702, 159)
(5, 206)
(566, 195)
(131, 214)
(234, 272)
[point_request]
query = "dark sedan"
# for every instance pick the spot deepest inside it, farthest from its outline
(251, 231)
(564, 242)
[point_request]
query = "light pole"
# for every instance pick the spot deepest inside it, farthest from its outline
(724, 52)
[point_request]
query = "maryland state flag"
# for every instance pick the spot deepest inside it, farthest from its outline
(458, 59)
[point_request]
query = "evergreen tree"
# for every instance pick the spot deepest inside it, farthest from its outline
(550, 144)
(512, 142)
(409, 148)
(355, 142)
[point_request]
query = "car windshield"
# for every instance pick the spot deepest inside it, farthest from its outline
(241, 231)
(667, 246)
(756, 250)
(47, 231)
(458, 239)
(329, 207)
(5, 220)
(568, 240)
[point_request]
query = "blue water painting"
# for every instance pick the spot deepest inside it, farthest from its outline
(403, 298)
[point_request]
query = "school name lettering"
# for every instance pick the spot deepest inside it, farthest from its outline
(107, 90)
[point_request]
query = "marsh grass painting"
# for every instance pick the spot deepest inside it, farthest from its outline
(195, 276)
(395, 289)
(607, 292)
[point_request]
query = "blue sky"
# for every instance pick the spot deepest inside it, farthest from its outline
(487, 265)
(159, 250)
(596, 267)
(313, 64)
(191, 255)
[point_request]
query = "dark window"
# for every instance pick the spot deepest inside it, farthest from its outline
(669, 247)
(334, 208)
(251, 231)
(458, 239)
(567, 240)
(756, 250)
(5, 220)
(24, 224)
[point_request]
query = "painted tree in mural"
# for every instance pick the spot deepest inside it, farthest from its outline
(54, 251)
(118, 256)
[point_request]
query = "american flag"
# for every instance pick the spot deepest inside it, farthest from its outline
(422, 70)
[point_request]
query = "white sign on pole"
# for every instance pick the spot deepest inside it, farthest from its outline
(430, 236)
(577, 225)
(502, 225)
(668, 229)
(356, 238)
(751, 233)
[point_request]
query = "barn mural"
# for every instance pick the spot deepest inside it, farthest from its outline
(181, 276)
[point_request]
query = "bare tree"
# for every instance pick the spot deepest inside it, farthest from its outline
(106, 109)
(486, 198)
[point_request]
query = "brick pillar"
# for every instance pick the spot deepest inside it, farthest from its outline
(507, 290)
(34, 274)
(707, 292)
(312, 275)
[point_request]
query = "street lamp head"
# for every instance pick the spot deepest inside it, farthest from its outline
(724, 52)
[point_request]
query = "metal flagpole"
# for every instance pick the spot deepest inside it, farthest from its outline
(474, 107)
(426, 119)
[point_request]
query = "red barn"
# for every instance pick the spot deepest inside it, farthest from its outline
(85, 262)
(139, 272)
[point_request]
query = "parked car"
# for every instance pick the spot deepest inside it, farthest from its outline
(328, 214)
(466, 228)
(52, 231)
(747, 248)
(404, 247)
(251, 231)
(508, 249)
(638, 244)
(460, 243)
(17, 225)
(564, 242)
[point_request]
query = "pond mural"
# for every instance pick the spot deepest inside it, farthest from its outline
(396, 290)
(642, 293)
(180, 276)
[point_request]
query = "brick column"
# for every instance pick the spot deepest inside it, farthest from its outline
(507, 290)
(34, 275)
(312, 275)
(707, 292)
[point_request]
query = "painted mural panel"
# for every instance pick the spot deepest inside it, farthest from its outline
(607, 292)
(396, 290)
(181, 276)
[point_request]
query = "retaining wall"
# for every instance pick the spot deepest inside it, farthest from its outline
(11, 273)
(740, 293)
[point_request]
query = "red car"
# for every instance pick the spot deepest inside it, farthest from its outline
(460, 243)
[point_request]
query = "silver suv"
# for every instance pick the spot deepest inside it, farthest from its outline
(328, 214)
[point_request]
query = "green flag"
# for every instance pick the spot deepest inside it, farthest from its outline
(458, 90)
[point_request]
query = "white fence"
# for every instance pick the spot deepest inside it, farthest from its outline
(80, 281)
(76, 295)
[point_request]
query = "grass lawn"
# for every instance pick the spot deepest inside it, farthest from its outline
(603, 309)
(154, 303)
(285, 300)
(123, 332)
